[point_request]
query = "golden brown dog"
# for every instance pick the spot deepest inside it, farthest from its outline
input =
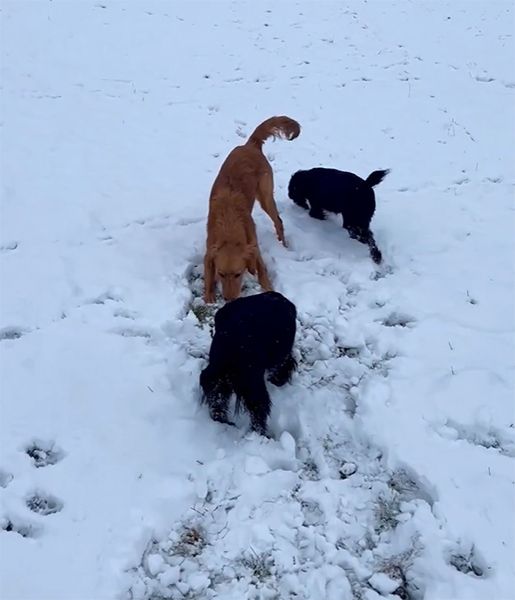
(232, 246)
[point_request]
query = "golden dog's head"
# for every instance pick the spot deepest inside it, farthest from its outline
(231, 262)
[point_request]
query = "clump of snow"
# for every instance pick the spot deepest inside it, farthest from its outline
(383, 584)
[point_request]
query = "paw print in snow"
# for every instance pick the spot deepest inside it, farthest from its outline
(44, 453)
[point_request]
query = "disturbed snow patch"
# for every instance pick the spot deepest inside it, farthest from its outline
(316, 513)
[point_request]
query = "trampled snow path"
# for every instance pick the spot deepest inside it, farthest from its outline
(319, 511)
(116, 117)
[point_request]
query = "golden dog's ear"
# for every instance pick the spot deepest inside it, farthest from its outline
(251, 259)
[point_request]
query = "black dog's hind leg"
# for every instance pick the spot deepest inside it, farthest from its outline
(375, 253)
(254, 395)
(218, 409)
(282, 372)
(365, 236)
(216, 393)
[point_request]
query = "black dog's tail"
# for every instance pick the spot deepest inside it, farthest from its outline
(376, 177)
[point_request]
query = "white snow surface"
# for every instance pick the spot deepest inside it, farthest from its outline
(390, 470)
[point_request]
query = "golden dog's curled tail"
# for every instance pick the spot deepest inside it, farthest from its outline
(283, 127)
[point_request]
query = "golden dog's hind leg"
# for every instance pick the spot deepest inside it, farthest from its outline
(265, 196)
(262, 274)
(209, 279)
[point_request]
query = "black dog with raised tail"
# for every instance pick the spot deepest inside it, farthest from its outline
(340, 192)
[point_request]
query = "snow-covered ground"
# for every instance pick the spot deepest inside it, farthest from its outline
(391, 472)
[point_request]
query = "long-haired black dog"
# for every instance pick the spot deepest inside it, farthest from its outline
(340, 192)
(253, 335)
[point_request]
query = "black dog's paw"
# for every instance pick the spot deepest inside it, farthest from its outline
(317, 214)
(222, 419)
(278, 379)
(302, 203)
(261, 430)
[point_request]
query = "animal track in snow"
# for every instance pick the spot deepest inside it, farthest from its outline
(44, 453)
(9, 246)
(106, 297)
(484, 78)
(382, 271)
(468, 560)
(189, 221)
(133, 332)
(125, 314)
(11, 333)
(44, 504)
(488, 437)
(5, 478)
(410, 486)
(19, 526)
(154, 222)
(398, 319)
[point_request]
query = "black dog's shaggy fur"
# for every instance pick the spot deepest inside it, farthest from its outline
(340, 192)
(252, 335)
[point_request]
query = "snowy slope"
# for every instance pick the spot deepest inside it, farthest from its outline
(391, 471)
